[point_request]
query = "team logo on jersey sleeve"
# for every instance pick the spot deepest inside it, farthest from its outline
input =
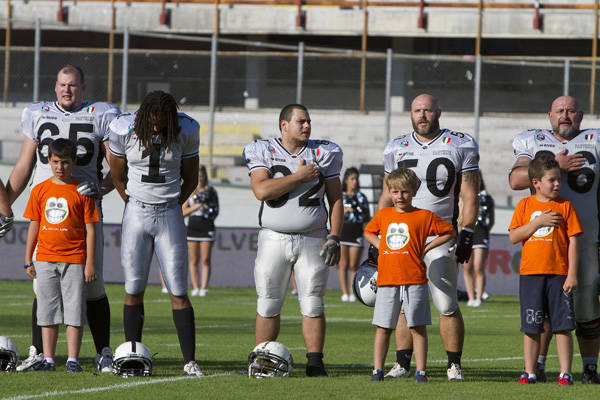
(404, 143)
(544, 230)
(397, 236)
(271, 149)
(540, 136)
(57, 210)
(46, 109)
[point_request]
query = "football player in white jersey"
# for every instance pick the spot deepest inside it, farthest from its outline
(577, 152)
(86, 123)
(447, 164)
(291, 175)
(154, 166)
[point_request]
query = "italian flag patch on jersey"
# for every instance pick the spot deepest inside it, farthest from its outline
(589, 137)
(446, 140)
(90, 109)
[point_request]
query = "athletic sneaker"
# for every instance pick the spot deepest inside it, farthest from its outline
(196, 292)
(164, 290)
(540, 372)
(345, 298)
(377, 375)
(73, 366)
(420, 377)
(485, 295)
(564, 380)
(526, 380)
(45, 366)
(294, 293)
(202, 292)
(474, 303)
(32, 361)
(455, 373)
(104, 361)
(590, 375)
(351, 298)
(192, 369)
(398, 371)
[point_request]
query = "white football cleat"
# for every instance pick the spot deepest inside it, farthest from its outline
(104, 361)
(32, 361)
(455, 373)
(192, 369)
(397, 372)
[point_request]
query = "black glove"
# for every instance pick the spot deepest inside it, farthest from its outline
(89, 189)
(6, 224)
(464, 245)
(330, 250)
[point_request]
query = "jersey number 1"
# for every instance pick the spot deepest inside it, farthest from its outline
(153, 172)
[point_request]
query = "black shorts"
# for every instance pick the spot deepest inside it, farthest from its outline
(481, 237)
(200, 230)
(542, 295)
(352, 235)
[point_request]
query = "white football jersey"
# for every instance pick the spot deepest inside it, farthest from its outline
(579, 187)
(87, 126)
(303, 209)
(153, 177)
(437, 164)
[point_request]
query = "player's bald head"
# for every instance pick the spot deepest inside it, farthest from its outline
(565, 117)
(71, 69)
(425, 101)
(569, 101)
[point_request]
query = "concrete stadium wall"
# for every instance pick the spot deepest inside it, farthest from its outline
(247, 19)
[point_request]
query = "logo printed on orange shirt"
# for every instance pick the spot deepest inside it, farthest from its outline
(397, 236)
(57, 210)
(542, 231)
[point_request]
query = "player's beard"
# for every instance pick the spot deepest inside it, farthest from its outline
(568, 133)
(432, 128)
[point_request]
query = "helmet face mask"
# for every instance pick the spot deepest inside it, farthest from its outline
(270, 360)
(132, 359)
(9, 356)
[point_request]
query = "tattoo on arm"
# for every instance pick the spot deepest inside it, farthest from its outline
(471, 177)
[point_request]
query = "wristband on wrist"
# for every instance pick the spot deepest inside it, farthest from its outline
(28, 265)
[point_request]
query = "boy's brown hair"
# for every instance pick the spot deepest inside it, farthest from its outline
(63, 148)
(540, 165)
(403, 178)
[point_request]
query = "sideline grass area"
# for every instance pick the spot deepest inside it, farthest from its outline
(492, 358)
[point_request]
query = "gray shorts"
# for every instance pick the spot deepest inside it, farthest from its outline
(410, 300)
(60, 286)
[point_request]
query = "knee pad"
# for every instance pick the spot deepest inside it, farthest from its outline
(311, 306)
(268, 308)
(588, 330)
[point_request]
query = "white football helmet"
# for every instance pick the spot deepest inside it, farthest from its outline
(268, 360)
(132, 359)
(365, 284)
(9, 356)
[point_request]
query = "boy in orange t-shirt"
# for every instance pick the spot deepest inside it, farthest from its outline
(62, 227)
(548, 226)
(402, 276)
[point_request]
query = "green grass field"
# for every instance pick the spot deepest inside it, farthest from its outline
(492, 357)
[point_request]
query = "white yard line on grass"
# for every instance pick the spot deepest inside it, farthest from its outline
(112, 387)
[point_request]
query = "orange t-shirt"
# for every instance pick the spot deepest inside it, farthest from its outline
(403, 239)
(62, 213)
(546, 251)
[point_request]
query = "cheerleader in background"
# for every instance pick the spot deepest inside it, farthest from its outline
(356, 214)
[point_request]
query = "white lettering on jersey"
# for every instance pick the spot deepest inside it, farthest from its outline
(302, 209)
(154, 176)
(579, 187)
(437, 164)
(87, 126)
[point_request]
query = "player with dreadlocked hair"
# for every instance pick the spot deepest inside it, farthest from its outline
(157, 114)
(154, 165)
